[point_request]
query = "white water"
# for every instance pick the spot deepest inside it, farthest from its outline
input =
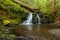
(38, 19)
(29, 20)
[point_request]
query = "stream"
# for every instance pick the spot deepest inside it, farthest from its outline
(37, 32)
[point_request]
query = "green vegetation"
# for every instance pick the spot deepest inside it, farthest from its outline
(13, 13)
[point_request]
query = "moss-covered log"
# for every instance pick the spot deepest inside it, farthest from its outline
(25, 6)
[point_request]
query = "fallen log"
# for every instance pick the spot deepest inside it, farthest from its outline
(25, 6)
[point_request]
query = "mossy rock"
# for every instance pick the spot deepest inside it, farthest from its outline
(5, 21)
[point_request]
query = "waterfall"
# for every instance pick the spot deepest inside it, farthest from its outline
(29, 20)
(38, 19)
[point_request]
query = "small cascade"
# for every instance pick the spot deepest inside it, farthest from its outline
(38, 19)
(29, 20)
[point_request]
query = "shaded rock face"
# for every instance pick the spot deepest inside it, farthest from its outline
(45, 19)
(36, 18)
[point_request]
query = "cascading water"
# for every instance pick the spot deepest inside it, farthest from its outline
(38, 19)
(29, 20)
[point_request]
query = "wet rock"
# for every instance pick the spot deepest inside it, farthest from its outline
(55, 33)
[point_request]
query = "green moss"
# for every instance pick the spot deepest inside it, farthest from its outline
(13, 12)
(10, 6)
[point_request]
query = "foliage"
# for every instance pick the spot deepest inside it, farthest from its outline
(13, 13)
(10, 6)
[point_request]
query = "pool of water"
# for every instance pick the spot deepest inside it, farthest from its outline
(37, 32)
